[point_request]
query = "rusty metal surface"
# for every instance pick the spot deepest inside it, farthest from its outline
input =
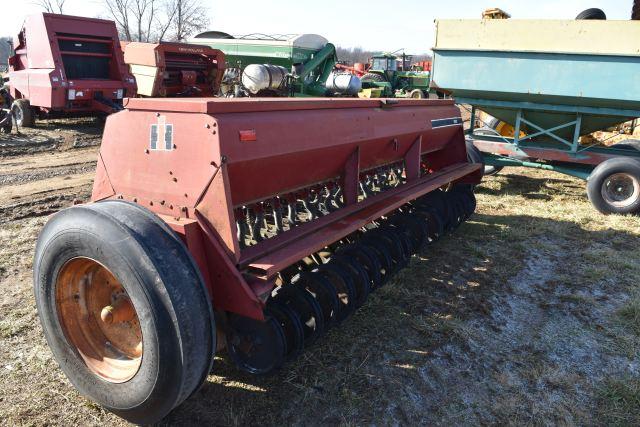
(99, 320)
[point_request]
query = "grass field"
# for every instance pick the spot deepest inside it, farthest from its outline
(528, 314)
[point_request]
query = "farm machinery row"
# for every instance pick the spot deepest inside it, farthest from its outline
(74, 66)
(307, 65)
(66, 66)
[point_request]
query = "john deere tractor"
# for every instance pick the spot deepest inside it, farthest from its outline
(394, 77)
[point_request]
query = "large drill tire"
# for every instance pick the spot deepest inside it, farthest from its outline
(116, 251)
(592, 13)
(23, 113)
(373, 77)
(614, 186)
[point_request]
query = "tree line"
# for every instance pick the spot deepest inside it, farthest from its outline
(148, 20)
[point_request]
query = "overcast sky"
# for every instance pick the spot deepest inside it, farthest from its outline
(372, 24)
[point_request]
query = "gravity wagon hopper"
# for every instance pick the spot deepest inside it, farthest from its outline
(253, 225)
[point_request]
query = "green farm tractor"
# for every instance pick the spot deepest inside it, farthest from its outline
(396, 77)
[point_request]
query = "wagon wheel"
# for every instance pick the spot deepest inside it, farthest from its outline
(108, 308)
(614, 186)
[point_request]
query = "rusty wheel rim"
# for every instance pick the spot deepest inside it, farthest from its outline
(99, 320)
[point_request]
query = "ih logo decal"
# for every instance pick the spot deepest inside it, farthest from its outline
(161, 135)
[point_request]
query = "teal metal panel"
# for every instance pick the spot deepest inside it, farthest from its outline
(549, 88)
(588, 80)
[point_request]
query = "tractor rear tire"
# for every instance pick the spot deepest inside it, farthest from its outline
(23, 113)
(592, 13)
(417, 94)
(139, 362)
(614, 186)
(373, 77)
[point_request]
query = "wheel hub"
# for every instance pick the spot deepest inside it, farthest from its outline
(99, 320)
(620, 189)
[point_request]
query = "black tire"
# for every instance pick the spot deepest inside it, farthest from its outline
(23, 113)
(629, 144)
(473, 154)
(488, 169)
(614, 186)
(417, 94)
(373, 77)
(164, 286)
(592, 13)
(6, 128)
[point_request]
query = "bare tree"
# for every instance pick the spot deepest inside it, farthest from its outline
(51, 6)
(118, 10)
(191, 16)
(155, 20)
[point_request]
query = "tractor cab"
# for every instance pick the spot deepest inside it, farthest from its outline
(396, 77)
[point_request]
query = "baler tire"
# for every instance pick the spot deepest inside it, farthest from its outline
(598, 191)
(121, 241)
(592, 13)
(23, 113)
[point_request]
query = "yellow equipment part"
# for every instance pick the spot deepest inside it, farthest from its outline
(371, 93)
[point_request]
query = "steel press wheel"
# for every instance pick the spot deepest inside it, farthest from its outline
(435, 223)
(256, 347)
(345, 289)
(614, 186)
(381, 252)
(306, 307)
(367, 258)
(98, 318)
(358, 275)
(107, 304)
(291, 327)
(324, 292)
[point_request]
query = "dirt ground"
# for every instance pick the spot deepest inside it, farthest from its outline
(528, 314)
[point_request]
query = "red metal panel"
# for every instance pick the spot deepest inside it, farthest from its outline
(195, 167)
(37, 70)
(247, 105)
